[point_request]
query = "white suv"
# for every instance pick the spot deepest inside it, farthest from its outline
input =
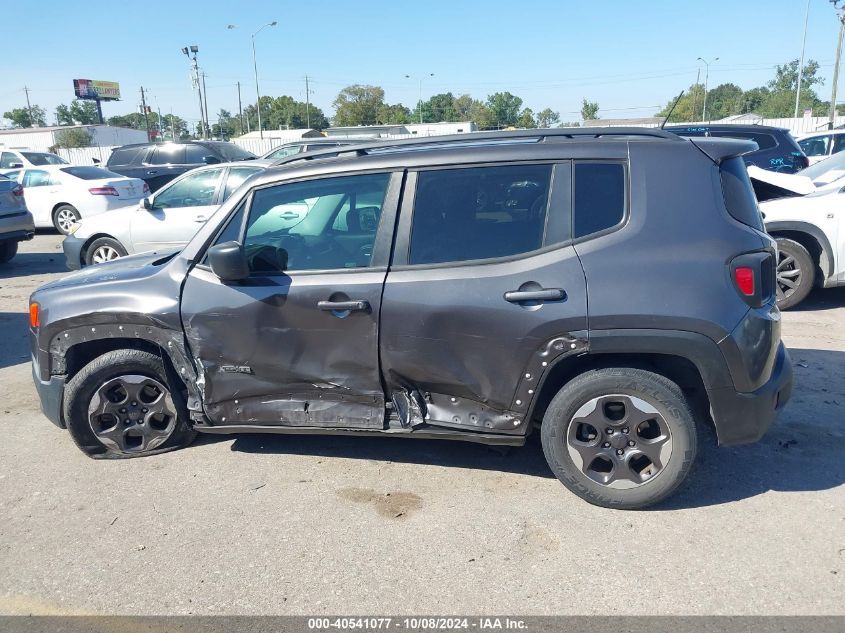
(810, 234)
(819, 145)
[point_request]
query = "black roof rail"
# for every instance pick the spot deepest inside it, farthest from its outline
(473, 138)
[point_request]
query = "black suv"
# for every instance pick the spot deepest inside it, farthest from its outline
(612, 289)
(776, 149)
(159, 163)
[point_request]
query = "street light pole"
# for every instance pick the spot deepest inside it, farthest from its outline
(419, 100)
(255, 69)
(835, 82)
(706, 81)
(801, 63)
(195, 80)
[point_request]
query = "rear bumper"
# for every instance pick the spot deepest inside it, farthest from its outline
(72, 247)
(742, 418)
(17, 227)
(51, 394)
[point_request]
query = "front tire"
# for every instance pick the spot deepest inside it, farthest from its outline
(104, 249)
(620, 437)
(7, 251)
(796, 273)
(64, 218)
(122, 405)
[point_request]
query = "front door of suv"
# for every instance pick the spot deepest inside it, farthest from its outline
(483, 294)
(296, 344)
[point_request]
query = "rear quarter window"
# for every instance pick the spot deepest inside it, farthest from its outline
(599, 197)
(740, 200)
(125, 155)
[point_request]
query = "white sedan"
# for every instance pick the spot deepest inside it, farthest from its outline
(61, 195)
(167, 219)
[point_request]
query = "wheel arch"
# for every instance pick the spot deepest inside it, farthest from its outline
(83, 252)
(810, 237)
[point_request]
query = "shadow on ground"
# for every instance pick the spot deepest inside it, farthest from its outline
(801, 452)
(14, 344)
(822, 299)
(24, 264)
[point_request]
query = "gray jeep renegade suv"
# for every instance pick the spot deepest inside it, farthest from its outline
(612, 289)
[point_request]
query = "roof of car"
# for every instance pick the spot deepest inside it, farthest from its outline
(188, 142)
(726, 127)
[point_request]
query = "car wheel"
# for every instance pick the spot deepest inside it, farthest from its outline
(7, 251)
(122, 405)
(64, 217)
(104, 249)
(796, 273)
(620, 437)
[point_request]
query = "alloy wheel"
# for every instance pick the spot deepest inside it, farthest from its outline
(66, 219)
(789, 275)
(104, 253)
(132, 414)
(619, 441)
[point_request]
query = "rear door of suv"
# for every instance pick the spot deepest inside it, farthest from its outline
(484, 293)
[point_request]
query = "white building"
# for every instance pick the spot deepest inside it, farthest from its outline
(444, 127)
(43, 138)
(406, 130)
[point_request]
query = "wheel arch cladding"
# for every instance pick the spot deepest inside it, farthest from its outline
(810, 237)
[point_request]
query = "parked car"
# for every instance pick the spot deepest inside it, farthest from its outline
(159, 163)
(470, 289)
(777, 149)
(60, 196)
(168, 218)
(15, 220)
(15, 159)
(305, 145)
(810, 235)
(819, 145)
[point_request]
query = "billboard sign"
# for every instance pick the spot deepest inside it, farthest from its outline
(97, 90)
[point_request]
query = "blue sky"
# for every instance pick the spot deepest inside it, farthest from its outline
(631, 57)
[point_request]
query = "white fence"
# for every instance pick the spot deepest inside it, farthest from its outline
(258, 146)
(86, 155)
(797, 126)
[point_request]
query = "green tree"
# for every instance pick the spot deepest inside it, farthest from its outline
(134, 120)
(526, 119)
(463, 107)
(394, 114)
(547, 118)
(79, 113)
(589, 110)
(504, 108)
(781, 98)
(73, 137)
(34, 116)
(723, 101)
(358, 105)
(689, 106)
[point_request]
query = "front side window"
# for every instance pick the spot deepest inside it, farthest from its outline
(168, 155)
(195, 154)
(598, 197)
(325, 224)
(815, 146)
(838, 143)
(194, 190)
(36, 178)
(479, 213)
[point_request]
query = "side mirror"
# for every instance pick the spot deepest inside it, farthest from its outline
(228, 261)
(96, 161)
(210, 160)
(148, 203)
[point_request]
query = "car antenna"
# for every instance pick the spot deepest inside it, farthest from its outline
(671, 110)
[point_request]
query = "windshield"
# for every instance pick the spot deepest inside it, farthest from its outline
(44, 158)
(826, 170)
(90, 173)
(232, 152)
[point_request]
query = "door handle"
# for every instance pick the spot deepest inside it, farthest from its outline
(150, 172)
(288, 215)
(341, 306)
(200, 218)
(545, 294)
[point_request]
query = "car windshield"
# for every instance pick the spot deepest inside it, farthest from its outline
(90, 173)
(232, 152)
(44, 158)
(826, 170)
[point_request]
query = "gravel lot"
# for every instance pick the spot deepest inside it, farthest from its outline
(300, 525)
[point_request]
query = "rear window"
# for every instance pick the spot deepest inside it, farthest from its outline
(231, 152)
(599, 197)
(90, 173)
(764, 141)
(740, 200)
(44, 158)
(125, 155)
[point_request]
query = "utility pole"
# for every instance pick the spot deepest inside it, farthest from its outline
(144, 110)
(706, 81)
(841, 10)
(695, 93)
(195, 81)
(240, 110)
(307, 104)
(28, 107)
(205, 97)
(801, 63)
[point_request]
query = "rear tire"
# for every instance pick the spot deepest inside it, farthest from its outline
(121, 405)
(7, 251)
(796, 273)
(104, 249)
(64, 217)
(620, 437)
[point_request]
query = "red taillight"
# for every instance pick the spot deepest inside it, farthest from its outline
(34, 317)
(146, 188)
(744, 278)
(17, 191)
(103, 191)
